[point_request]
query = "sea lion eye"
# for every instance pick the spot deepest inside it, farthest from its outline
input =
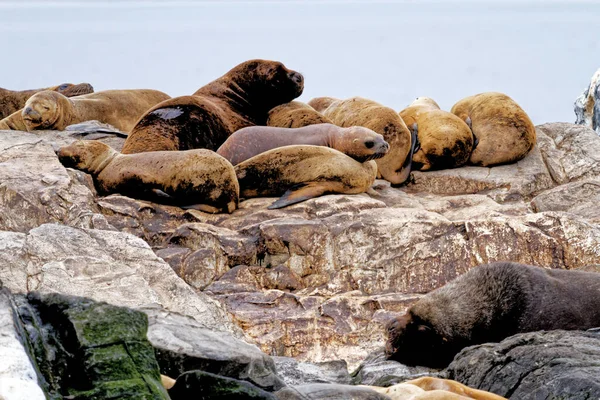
(369, 144)
(63, 86)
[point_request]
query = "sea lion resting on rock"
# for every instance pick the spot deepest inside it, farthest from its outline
(295, 114)
(395, 165)
(488, 304)
(199, 179)
(303, 172)
(430, 388)
(242, 97)
(321, 103)
(445, 141)
(503, 131)
(51, 110)
(360, 143)
(13, 100)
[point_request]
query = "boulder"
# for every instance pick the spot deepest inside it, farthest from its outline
(295, 372)
(587, 105)
(202, 385)
(376, 370)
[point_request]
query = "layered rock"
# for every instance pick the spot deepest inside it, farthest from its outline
(587, 105)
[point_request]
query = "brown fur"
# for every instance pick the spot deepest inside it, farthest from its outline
(295, 114)
(445, 141)
(240, 98)
(490, 303)
(199, 178)
(13, 100)
(321, 103)
(357, 142)
(502, 129)
(383, 120)
(304, 172)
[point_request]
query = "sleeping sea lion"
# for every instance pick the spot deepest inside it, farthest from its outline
(295, 114)
(199, 179)
(321, 103)
(240, 98)
(362, 144)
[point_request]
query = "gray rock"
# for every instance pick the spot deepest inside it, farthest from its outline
(294, 372)
(200, 385)
(537, 365)
(376, 370)
(587, 105)
(325, 391)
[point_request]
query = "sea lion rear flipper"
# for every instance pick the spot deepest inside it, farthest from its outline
(299, 193)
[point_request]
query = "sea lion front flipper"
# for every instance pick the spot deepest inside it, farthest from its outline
(299, 193)
(202, 207)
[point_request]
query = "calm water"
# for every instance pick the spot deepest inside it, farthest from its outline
(541, 53)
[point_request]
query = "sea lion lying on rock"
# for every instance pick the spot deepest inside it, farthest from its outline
(503, 131)
(240, 98)
(295, 114)
(13, 100)
(199, 179)
(362, 144)
(488, 304)
(53, 111)
(396, 164)
(303, 172)
(445, 141)
(429, 388)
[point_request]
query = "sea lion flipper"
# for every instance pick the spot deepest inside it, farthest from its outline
(299, 193)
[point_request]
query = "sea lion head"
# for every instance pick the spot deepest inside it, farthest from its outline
(43, 110)
(360, 143)
(70, 90)
(86, 155)
(425, 101)
(413, 341)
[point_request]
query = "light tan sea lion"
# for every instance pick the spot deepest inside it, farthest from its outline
(51, 110)
(503, 131)
(395, 165)
(199, 179)
(321, 103)
(295, 114)
(444, 140)
(13, 100)
(303, 172)
(429, 388)
(240, 98)
(362, 144)
(488, 304)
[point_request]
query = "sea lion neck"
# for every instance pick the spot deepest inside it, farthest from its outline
(102, 161)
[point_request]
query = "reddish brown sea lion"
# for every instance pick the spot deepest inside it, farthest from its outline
(488, 304)
(240, 98)
(362, 144)
(199, 179)
(295, 114)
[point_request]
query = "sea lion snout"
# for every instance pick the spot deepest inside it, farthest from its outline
(32, 114)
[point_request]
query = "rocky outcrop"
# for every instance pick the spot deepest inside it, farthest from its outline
(538, 365)
(587, 105)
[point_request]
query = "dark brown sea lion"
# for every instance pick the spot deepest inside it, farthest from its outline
(199, 179)
(13, 100)
(303, 172)
(362, 144)
(295, 114)
(503, 131)
(395, 165)
(488, 304)
(445, 141)
(240, 98)
(51, 110)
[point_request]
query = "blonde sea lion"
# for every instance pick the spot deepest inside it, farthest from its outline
(445, 141)
(362, 144)
(303, 172)
(488, 304)
(396, 164)
(503, 131)
(240, 98)
(295, 114)
(13, 100)
(199, 179)
(430, 388)
(321, 103)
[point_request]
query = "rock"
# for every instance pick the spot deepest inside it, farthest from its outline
(182, 344)
(580, 198)
(18, 379)
(202, 385)
(587, 105)
(540, 365)
(376, 370)
(325, 391)
(294, 372)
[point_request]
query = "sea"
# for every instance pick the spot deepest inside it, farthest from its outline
(541, 53)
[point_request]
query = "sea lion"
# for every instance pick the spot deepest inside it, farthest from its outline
(445, 141)
(488, 304)
(240, 98)
(303, 172)
(295, 114)
(503, 131)
(362, 144)
(321, 103)
(396, 164)
(430, 388)
(199, 179)
(14, 100)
